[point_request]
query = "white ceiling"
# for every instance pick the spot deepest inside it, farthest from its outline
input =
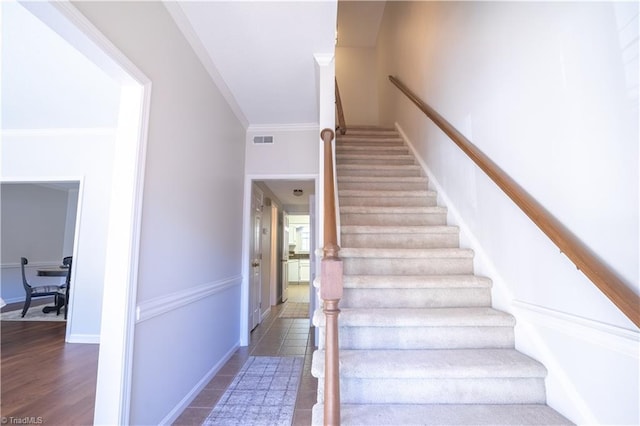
(261, 55)
(283, 190)
(263, 51)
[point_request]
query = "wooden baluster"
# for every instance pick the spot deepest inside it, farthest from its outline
(330, 289)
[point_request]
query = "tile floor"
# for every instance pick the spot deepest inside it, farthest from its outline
(273, 337)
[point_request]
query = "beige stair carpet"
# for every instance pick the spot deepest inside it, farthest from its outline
(419, 340)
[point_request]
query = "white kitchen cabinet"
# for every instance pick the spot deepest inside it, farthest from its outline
(293, 267)
(304, 270)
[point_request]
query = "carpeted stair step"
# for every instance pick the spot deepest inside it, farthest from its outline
(368, 133)
(374, 261)
(371, 159)
(443, 415)
(385, 183)
(445, 376)
(399, 236)
(416, 291)
(378, 149)
(420, 328)
(364, 215)
(378, 170)
(354, 197)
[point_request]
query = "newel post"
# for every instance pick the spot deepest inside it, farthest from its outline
(330, 289)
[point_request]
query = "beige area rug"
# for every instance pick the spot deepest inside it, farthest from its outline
(33, 314)
(263, 393)
(295, 310)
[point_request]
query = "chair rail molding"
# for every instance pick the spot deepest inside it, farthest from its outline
(169, 302)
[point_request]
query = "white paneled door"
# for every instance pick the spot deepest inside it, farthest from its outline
(256, 257)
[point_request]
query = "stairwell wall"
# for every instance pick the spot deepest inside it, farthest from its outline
(549, 92)
(189, 275)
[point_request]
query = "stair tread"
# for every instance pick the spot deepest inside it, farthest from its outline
(421, 317)
(432, 364)
(445, 414)
(377, 179)
(380, 193)
(392, 209)
(415, 281)
(399, 229)
(405, 253)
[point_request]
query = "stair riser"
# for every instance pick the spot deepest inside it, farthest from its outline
(405, 266)
(445, 240)
(368, 141)
(439, 391)
(393, 219)
(400, 161)
(371, 338)
(379, 150)
(347, 170)
(426, 201)
(384, 186)
(415, 298)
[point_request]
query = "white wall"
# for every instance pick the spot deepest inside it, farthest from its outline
(189, 277)
(33, 226)
(54, 102)
(86, 154)
(549, 92)
(355, 72)
(34, 56)
(294, 151)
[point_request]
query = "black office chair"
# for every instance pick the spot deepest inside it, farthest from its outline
(63, 291)
(35, 291)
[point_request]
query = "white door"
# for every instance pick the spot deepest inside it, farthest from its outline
(256, 257)
(285, 257)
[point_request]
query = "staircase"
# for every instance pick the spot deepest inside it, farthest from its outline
(419, 341)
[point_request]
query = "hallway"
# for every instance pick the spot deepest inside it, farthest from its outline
(275, 336)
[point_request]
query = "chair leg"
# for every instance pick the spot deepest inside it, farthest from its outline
(27, 303)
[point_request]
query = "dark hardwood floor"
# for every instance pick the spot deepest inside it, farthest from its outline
(43, 378)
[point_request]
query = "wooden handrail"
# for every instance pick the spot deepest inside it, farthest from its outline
(342, 125)
(584, 259)
(330, 288)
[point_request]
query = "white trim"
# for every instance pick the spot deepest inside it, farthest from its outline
(265, 314)
(246, 242)
(173, 415)
(91, 339)
(83, 131)
(608, 336)
(113, 388)
(31, 265)
(183, 23)
(499, 288)
(294, 127)
(169, 302)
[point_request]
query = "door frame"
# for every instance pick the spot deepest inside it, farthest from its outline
(115, 360)
(246, 242)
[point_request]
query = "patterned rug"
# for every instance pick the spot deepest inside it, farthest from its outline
(262, 393)
(33, 314)
(295, 310)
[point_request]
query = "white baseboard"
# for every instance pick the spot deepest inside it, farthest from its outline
(265, 314)
(184, 403)
(501, 296)
(84, 338)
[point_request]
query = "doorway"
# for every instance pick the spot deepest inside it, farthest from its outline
(30, 152)
(39, 222)
(286, 272)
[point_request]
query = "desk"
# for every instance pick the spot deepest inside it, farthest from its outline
(53, 272)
